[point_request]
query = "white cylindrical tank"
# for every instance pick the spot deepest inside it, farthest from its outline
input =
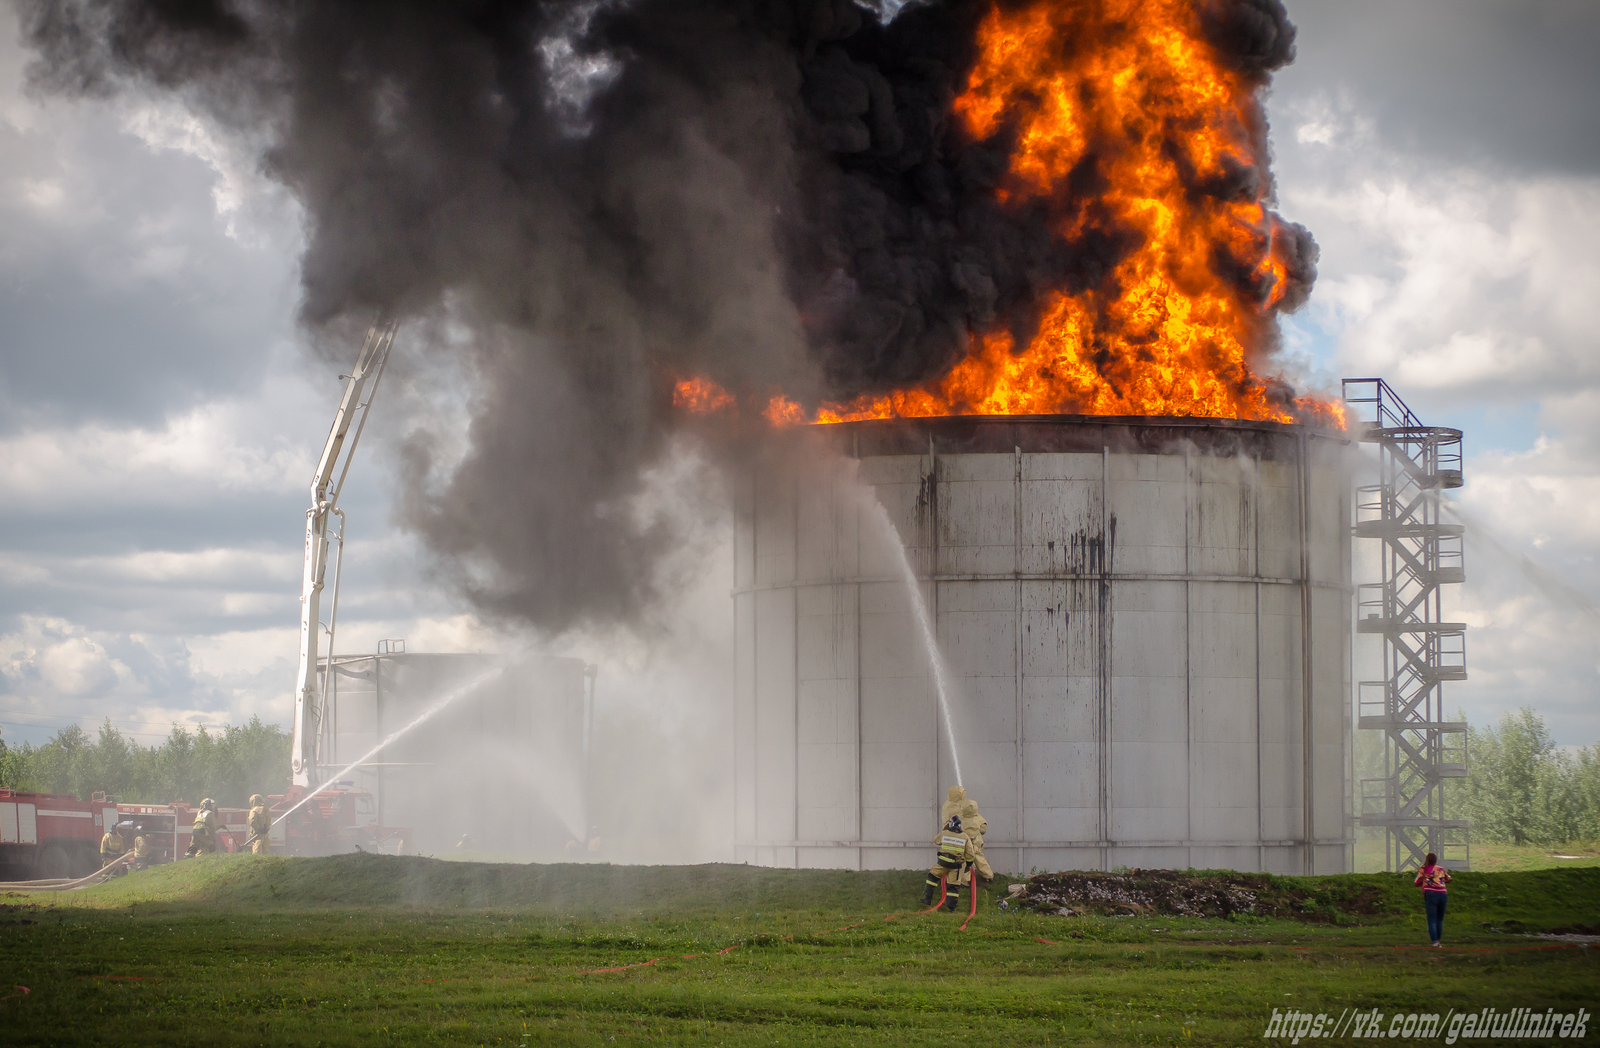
(1146, 621)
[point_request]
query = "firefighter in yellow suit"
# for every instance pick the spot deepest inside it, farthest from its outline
(973, 827)
(954, 798)
(954, 851)
(112, 847)
(142, 851)
(203, 839)
(260, 824)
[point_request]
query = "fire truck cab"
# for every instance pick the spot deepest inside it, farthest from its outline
(340, 819)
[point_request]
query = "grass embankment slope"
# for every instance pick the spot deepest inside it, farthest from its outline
(248, 882)
(377, 950)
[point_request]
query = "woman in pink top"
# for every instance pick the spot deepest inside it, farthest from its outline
(1432, 879)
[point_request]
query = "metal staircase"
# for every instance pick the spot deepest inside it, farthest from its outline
(1419, 555)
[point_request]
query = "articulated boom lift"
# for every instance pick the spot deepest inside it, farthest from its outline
(336, 455)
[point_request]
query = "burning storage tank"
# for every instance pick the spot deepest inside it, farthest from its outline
(1145, 622)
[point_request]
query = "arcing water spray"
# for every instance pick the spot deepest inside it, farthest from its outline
(919, 607)
(440, 704)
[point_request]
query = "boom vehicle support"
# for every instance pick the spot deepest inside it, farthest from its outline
(336, 455)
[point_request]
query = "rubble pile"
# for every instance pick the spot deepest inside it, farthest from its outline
(1168, 892)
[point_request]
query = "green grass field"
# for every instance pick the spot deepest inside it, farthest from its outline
(363, 950)
(1496, 858)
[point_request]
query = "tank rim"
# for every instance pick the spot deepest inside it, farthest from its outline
(1147, 421)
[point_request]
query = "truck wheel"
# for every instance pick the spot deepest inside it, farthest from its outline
(53, 862)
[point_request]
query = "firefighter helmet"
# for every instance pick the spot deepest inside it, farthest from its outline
(208, 804)
(256, 800)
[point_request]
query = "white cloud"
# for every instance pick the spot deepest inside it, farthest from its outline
(1473, 293)
(261, 443)
(42, 193)
(249, 204)
(54, 672)
(75, 666)
(1446, 279)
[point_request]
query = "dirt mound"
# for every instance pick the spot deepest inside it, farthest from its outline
(1142, 892)
(1192, 894)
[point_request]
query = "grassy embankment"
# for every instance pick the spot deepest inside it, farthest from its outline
(378, 950)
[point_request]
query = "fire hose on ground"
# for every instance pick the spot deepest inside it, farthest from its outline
(63, 884)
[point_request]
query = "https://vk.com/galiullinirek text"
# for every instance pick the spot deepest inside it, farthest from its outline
(1449, 1027)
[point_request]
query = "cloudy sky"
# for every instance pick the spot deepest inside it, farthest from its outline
(159, 415)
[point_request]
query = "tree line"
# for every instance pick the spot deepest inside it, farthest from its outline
(1521, 789)
(228, 764)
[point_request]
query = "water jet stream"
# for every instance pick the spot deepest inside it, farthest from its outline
(465, 689)
(1550, 585)
(930, 640)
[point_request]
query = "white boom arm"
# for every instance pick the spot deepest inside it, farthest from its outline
(336, 455)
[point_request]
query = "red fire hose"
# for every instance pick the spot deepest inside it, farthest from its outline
(972, 890)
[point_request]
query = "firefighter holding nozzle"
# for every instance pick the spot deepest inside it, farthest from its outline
(203, 839)
(112, 847)
(260, 825)
(955, 850)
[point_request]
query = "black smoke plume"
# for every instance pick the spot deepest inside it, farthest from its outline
(612, 194)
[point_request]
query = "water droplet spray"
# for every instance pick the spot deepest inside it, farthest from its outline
(919, 607)
(439, 704)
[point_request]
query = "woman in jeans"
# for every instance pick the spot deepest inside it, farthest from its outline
(1432, 879)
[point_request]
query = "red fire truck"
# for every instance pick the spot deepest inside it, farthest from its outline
(339, 819)
(45, 835)
(168, 828)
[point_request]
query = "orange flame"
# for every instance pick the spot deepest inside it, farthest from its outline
(701, 396)
(1115, 83)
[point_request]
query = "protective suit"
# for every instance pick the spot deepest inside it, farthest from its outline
(974, 826)
(203, 837)
(141, 852)
(111, 846)
(954, 851)
(956, 796)
(260, 824)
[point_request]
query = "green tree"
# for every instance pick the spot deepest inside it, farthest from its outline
(1503, 776)
(229, 764)
(1587, 774)
(1520, 789)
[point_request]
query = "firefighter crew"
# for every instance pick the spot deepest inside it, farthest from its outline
(973, 827)
(954, 850)
(203, 839)
(260, 824)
